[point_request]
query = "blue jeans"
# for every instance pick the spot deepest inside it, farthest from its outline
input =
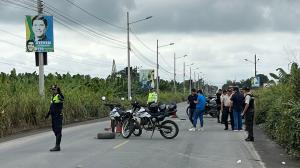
(198, 114)
(237, 120)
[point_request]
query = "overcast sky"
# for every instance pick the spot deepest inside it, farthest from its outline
(217, 35)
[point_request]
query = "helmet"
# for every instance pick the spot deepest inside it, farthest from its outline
(153, 107)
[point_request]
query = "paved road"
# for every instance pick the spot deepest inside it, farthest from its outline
(212, 148)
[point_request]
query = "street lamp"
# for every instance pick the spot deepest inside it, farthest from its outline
(190, 65)
(194, 83)
(175, 70)
(255, 62)
(128, 53)
(157, 81)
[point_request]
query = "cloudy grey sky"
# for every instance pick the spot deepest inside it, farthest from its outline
(217, 35)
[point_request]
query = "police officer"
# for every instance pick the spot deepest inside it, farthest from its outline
(152, 97)
(248, 112)
(55, 111)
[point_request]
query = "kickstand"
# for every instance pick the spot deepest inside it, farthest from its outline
(152, 133)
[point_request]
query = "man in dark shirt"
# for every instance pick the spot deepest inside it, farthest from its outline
(237, 105)
(218, 101)
(192, 105)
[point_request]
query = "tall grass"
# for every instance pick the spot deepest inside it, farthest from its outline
(278, 109)
(21, 107)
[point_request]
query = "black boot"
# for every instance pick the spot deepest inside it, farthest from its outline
(55, 149)
(249, 139)
(57, 144)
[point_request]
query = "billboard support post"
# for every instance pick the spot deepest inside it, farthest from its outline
(41, 58)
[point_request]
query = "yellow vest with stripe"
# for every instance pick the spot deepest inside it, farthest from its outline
(56, 99)
(152, 97)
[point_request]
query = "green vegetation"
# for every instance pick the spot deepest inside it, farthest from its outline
(278, 109)
(22, 108)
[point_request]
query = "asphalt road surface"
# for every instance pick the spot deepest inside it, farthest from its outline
(212, 148)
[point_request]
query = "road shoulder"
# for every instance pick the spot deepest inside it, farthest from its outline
(35, 131)
(273, 155)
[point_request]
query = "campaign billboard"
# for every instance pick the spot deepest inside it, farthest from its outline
(147, 78)
(255, 82)
(39, 33)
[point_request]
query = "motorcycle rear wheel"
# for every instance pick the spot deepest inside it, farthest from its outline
(169, 129)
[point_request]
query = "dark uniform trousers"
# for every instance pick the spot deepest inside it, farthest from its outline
(249, 118)
(225, 114)
(57, 126)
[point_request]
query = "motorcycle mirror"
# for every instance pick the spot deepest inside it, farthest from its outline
(103, 98)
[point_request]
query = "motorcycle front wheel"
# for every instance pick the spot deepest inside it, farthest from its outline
(169, 129)
(127, 128)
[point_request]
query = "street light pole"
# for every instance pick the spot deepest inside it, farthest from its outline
(128, 59)
(157, 80)
(174, 72)
(198, 83)
(255, 64)
(190, 74)
(184, 78)
(157, 66)
(190, 79)
(128, 54)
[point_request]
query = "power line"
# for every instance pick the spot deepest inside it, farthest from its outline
(88, 29)
(149, 48)
(75, 21)
(19, 5)
(94, 16)
(148, 60)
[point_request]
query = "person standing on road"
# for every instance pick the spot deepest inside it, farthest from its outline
(218, 101)
(55, 111)
(152, 96)
(225, 105)
(248, 112)
(192, 105)
(200, 108)
(237, 103)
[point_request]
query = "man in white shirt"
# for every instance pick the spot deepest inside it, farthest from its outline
(225, 106)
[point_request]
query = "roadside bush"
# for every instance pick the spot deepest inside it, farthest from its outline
(278, 109)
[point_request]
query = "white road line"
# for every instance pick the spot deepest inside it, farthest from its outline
(121, 144)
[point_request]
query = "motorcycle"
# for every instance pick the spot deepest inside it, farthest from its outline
(211, 108)
(151, 119)
(118, 116)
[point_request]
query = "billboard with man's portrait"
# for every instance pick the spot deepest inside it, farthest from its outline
(255, 82)
(39, 33)
(147, 78)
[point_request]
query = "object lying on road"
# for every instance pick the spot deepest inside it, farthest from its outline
(106, 135)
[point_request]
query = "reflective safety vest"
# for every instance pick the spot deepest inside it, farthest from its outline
(152, 97)
(57, 99)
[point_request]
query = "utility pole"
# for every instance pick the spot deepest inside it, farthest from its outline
(175, 73)
(190, 79)
(41, 57)
(255, 61)
(194, 83)
(128, 59)
(198, 83)
(157, 77)
(184, 78)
